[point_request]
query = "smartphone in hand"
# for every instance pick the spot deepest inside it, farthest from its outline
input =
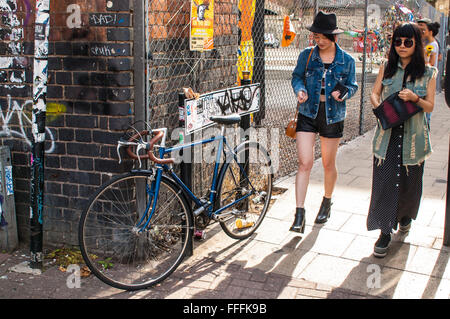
(342, 89)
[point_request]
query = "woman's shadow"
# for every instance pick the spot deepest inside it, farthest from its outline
(377, 277)
(277, 269)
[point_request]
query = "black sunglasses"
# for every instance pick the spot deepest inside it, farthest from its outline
(407, 42)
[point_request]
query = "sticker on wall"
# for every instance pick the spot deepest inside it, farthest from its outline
(9, 180)
(40, 79)
(43, 5)
(202, 25)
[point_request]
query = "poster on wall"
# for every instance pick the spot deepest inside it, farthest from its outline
(202, 23)
(242, 100)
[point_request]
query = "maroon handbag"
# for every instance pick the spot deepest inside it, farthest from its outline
(393, 110)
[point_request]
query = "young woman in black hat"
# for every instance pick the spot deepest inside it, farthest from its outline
(323, 80)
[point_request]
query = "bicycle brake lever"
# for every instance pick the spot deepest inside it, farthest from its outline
(118, 152)
(139, 147)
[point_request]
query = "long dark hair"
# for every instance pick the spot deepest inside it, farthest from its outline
(331, 37)
(434, 28)
(416, 67)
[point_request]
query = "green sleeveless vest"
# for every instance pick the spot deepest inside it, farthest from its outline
(416, 137)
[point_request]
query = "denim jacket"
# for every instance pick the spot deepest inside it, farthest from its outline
(341, 70)
(416, 137)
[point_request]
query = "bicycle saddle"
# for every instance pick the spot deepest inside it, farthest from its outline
(226, 119)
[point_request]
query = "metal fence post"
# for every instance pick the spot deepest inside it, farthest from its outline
(363, 72)
(447, 206)
(446, 241)
(259, 73)
(42, 30)
(185, 165)
(245, 126)
(140, 62)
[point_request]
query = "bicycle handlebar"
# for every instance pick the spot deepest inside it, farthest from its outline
(148, 146)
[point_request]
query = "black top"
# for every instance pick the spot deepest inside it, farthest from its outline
(327, 66)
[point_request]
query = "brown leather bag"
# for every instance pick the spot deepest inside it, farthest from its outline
(291, 127)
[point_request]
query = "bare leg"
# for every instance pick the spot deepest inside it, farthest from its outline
(305, 154)
(329, 147)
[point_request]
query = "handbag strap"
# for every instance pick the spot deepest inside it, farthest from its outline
(405, 75)
(304, 76)
(307, 62)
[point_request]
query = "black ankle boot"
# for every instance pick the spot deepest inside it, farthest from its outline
(324, 211)
(299, 221)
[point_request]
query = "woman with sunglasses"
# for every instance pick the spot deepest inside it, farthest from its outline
(323, 80)
(400, 152)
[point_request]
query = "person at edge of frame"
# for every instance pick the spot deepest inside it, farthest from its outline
(400, 152)
(322, 110)
(429, 32)
(447, 77)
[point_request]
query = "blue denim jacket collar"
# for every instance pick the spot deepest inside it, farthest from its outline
(339, 57)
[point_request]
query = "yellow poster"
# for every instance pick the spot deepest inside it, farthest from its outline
(246, 55)
(202, 23)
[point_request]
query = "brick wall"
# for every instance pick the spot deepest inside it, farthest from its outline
(89, 101)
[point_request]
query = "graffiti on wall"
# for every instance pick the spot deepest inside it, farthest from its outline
(17, 118)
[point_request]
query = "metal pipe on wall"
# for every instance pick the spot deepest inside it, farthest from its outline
(363, 73)
(40, 72)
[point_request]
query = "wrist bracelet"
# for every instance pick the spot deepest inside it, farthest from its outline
(418, 99)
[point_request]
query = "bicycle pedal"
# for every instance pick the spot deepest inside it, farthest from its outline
(200, 234)
(260, 198)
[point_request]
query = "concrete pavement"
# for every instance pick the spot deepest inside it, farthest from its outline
(333, 260)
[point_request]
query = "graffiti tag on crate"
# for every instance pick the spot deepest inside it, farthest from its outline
(242, 100)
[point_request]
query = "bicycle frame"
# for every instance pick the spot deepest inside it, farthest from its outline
(160, 168)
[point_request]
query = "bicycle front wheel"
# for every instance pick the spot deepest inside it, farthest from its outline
(117, 247)
(245, 180)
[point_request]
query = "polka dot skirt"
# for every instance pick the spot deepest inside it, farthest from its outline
(396, 192)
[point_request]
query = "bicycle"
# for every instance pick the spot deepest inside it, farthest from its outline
(136, 228)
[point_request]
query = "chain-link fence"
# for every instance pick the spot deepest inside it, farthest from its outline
(210, 44)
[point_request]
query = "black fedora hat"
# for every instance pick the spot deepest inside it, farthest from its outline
(325, 23)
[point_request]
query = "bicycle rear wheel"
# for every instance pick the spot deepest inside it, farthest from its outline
(115, 245)
(251, 183)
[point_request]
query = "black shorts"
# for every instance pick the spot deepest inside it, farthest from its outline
(319, 124)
